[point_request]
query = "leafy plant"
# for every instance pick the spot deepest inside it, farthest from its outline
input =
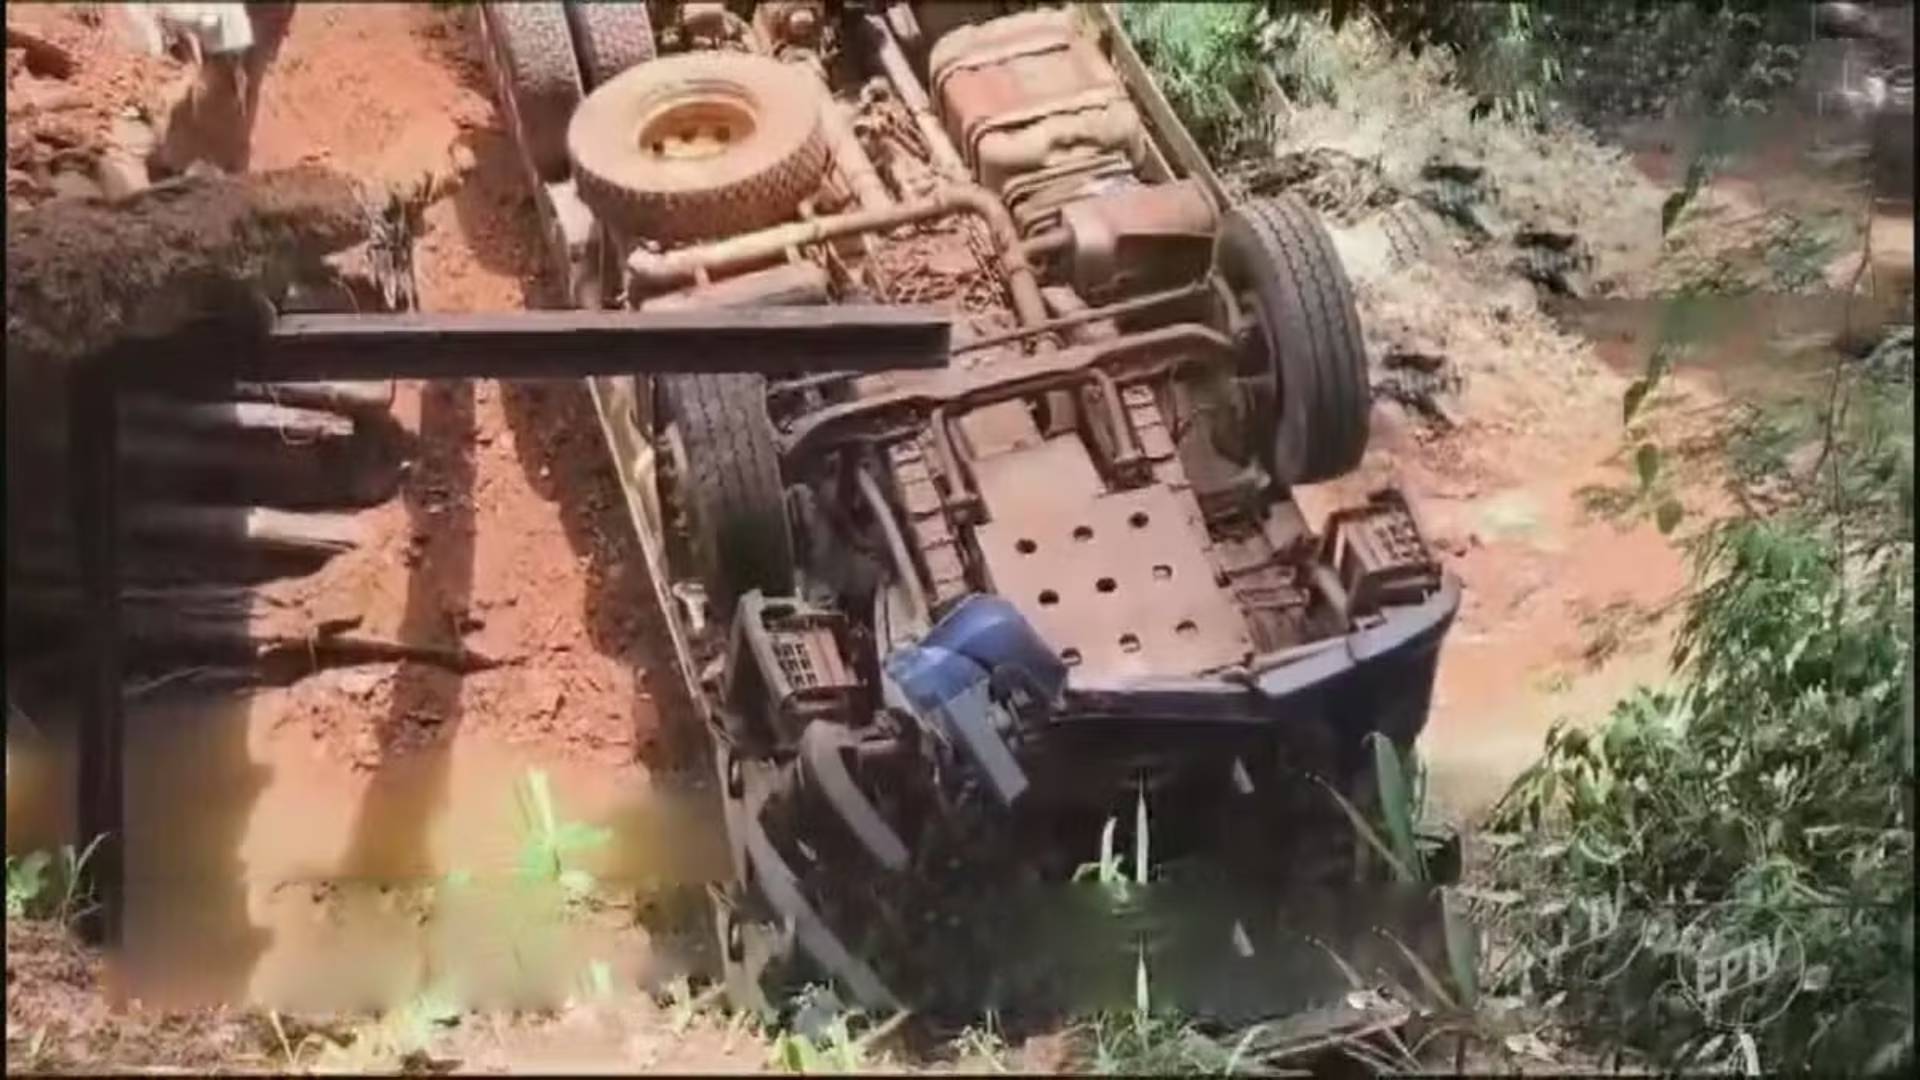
(1399, 799)
(1210, 58)
(1109, 869)
(1723, 872)
(834, 1050)
(26, 881)
(549, 843)
(30, 885)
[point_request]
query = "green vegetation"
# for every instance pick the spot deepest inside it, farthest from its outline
(1722, 873)
(36, 890)
(1211, 59)
(548, 843)
(26, 880)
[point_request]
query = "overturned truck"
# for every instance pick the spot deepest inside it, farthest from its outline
(943, 625)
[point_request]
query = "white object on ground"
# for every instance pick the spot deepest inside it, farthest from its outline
(212, 28)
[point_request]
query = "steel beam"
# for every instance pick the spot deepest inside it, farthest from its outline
(100, 816)
(547, 344)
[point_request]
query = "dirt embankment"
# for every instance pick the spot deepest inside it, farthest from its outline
(76, 90)
(1513, 280)
(507, 534)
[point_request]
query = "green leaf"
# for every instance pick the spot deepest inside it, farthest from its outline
(1142, 1001)
(1636, 393)
(1463, 954)
(579, 836)
(26, 878)
(535, 862)
(1140, 862)
(1395, 802)
(1401, 870)
(1646, 464)
(1667, 516)
(1441, 996)
(1107, 859)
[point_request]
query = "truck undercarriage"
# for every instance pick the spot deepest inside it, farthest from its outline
(945, 624)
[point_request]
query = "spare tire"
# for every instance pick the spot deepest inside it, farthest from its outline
(610, 38)
(1276, 252)
(535, 52)
(700, 145)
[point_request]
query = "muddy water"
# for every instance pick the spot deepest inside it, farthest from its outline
(255, 876)
(260, 870)
(1570, 604)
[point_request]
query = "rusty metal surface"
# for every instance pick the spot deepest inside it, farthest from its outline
(552, 344)
(1027, 91)
(1140, 237)
(1119, 580)
(1183, 154)
(1379, 553)
(926, 514)
(1125, 360)
(997, 429)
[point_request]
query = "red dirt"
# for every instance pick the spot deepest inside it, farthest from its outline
(507, 536)
(108, 75)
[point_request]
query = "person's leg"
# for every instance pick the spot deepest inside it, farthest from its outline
(213, 121)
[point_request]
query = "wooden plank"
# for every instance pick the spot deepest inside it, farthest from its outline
(250, 526)
(221, 418)
(355, 399)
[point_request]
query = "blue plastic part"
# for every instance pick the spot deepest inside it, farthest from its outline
(946, 677)
(991, 632)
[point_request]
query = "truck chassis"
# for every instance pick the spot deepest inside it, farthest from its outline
(943, 624)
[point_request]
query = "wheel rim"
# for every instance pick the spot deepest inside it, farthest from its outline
(697, 128)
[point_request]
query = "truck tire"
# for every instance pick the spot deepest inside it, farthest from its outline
(700, 145)
(729, 484)
(535, 52)
(1276, 251)
(610, 38)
